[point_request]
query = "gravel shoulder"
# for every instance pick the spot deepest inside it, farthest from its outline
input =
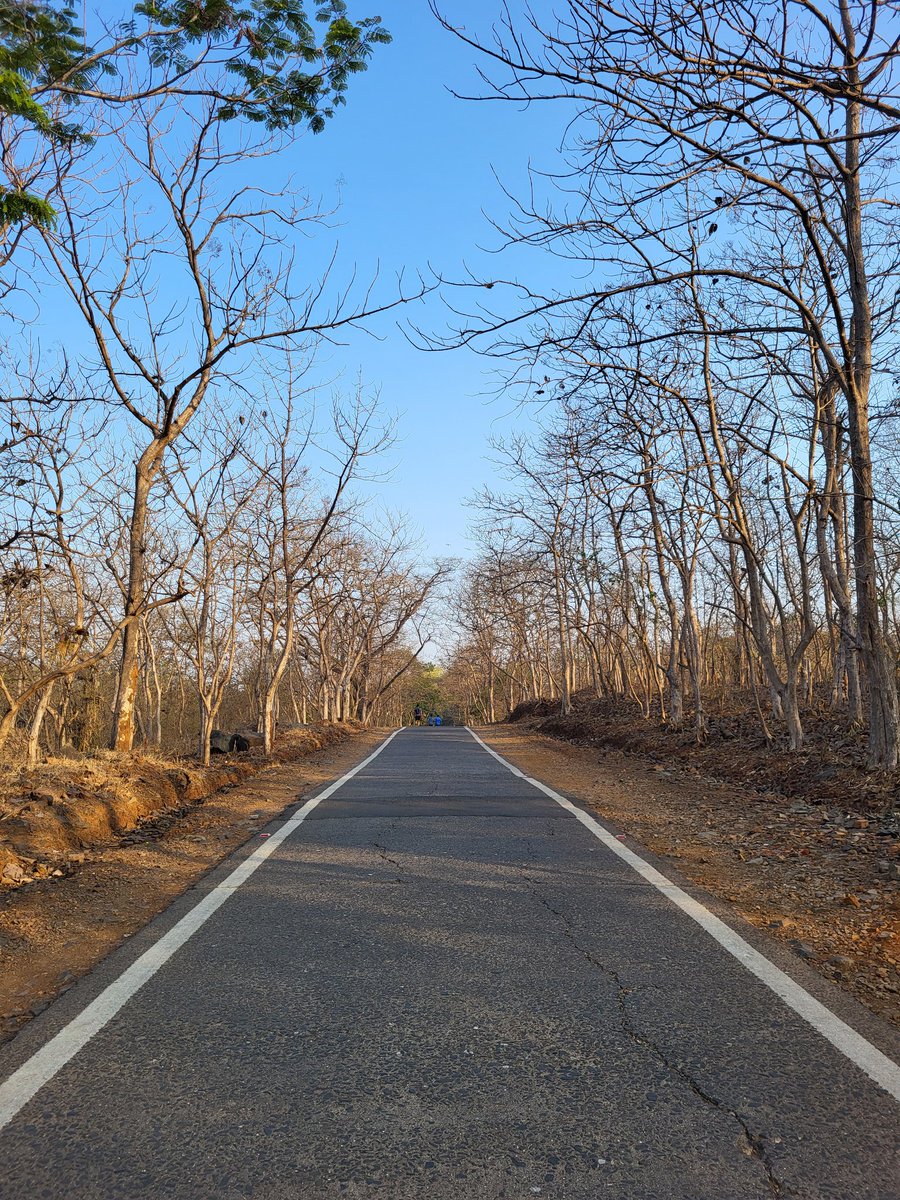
(811, 876)
(56, 929)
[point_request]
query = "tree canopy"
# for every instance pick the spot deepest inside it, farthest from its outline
(282, 63)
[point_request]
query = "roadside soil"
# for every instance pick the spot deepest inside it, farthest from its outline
(813, 875)
(55, 929)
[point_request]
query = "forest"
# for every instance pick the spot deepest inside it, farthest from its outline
(700, 509)
(706, 518)
(183, 540)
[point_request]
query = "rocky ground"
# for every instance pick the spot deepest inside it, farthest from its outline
(812, 871)
(58, 921)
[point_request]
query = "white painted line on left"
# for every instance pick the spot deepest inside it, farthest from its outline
(27, 1080)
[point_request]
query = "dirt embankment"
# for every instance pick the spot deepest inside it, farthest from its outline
(51, 815)
(806, 853)
(831, 768)
(115, 841)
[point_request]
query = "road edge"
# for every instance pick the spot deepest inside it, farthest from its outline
(877, 1065)
(41, 1066)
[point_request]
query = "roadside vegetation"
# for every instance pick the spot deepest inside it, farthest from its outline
(704, 529)
(182, 542)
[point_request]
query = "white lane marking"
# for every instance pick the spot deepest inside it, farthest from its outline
(869, 1058)
(22, 1085)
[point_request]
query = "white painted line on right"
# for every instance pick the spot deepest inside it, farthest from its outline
(883, 1070)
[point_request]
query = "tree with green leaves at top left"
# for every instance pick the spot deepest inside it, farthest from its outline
(37, 44)
(283, 63)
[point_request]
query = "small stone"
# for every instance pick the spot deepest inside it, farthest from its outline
(859, 823)
(840, 960)
(12, 874)
(803, 950)
(850, 900)
(781, 923)
(755, 862)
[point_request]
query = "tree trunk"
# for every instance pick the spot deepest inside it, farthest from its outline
(208, 714)
(884, 711)
(126, 693)
(33, 745)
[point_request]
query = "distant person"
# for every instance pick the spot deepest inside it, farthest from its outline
(438, 721)
(417, 715)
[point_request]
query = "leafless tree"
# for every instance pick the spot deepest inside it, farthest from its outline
(231, 250)
(739, 146)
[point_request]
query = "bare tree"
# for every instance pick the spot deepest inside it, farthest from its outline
(294, 518)
(713, 139)
(211, 485)
(364, 598)
(53, 594)
(231, 250)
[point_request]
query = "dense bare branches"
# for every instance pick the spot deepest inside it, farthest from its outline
(213, 490)
(731, 199)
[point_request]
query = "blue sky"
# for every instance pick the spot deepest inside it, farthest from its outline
(416, 168)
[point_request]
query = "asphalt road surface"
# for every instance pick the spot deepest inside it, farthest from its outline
(438, 984)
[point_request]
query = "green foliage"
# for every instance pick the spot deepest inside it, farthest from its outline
(423, 685)
(39, 47)
(276, 70)
(17, 207)
(41, 43)
(16, 98)
(283, 74)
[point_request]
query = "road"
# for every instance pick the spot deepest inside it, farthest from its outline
(438, 984)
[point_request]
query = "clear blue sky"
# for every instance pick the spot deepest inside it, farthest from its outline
(417, 169)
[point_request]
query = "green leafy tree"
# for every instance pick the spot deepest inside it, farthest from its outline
(37, 45)
(276, 62)
(423, 687)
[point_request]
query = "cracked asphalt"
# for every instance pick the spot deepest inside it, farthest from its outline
(441, 985)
